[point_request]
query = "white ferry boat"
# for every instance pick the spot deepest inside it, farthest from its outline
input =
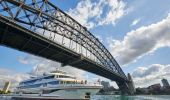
(57, 85)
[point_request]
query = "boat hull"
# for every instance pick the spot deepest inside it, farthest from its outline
(65, 94)
(42, 98)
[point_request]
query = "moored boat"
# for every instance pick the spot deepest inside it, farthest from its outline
(57, 85)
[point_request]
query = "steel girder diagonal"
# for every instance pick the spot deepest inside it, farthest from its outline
(45, 19)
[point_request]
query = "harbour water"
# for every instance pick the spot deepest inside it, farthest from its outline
(138, 97)
(118, 97)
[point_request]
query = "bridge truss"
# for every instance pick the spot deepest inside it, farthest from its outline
(45, 19)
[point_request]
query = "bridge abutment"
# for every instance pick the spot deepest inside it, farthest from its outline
(126, 87)
(123, 87)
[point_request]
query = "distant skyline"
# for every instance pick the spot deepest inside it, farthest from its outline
(137, 33)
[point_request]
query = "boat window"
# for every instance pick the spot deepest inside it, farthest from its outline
(53, 82)
(31, 86)
(70, 82)
(45, 84)
(61, 82)
(49, 77)
(29, 82)
(32, 81)
(62, 76)
(56, 76)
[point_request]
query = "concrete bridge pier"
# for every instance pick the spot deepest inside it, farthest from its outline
(131, 84)
(123, 87)
(126, 87)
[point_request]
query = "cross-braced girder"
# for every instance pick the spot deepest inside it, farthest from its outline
(44, 18)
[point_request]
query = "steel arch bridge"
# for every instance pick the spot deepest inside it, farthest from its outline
(40, 28)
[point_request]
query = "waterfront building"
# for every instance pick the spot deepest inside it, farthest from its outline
(142, 90)
(155, 86)
(105, 84)
(165, 82)
(6, 87)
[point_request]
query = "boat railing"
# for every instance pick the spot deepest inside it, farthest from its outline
(78, 85)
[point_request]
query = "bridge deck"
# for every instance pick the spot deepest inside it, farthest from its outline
(22, 39)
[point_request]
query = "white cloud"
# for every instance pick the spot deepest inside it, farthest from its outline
(11, 76)
(136, 21)
(142, 41)
(145, 76)
(116, 12)
(45, 66)
(91, 14)
(29, 59)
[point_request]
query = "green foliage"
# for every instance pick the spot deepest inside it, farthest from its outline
(8, 92)
(2, 92)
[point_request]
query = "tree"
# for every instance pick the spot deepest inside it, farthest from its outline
(8, 92)
(1, 92)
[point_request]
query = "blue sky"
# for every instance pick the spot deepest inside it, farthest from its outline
(127, 33)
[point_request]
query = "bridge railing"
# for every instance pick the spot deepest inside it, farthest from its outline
(46, 19)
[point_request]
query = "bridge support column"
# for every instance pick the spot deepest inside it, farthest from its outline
(123, 87)
(131, 85)
(127, 87)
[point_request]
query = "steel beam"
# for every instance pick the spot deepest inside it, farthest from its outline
(42, 21)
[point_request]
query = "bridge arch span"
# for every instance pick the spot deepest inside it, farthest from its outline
(42, 25)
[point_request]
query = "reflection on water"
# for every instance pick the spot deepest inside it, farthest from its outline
(118, 97)
(141, 97)
(5, 97)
